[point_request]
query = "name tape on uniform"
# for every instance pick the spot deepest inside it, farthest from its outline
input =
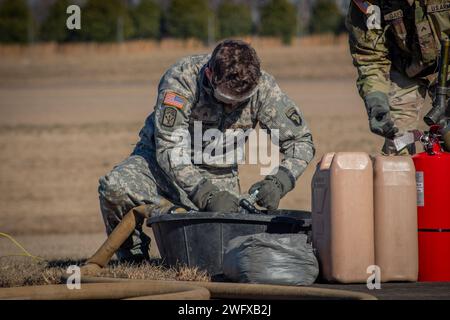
(436, 7)
(398, 14)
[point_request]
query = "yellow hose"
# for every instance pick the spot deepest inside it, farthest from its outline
(17, 244)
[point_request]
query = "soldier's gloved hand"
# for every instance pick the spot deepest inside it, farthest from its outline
(272, 189)
(208, 197)
(380, 121)
(223, 201)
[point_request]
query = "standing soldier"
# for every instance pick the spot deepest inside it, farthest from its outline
(395, 46)
(224, 91)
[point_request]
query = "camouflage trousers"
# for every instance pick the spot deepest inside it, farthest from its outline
(139, 180)
(407, 98)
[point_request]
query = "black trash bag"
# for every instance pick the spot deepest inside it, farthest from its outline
(280, 259)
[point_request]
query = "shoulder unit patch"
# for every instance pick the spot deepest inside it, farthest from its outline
(169, 117)
(292, 114)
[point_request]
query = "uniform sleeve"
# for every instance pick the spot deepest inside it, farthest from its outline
(172, 138)
(369, 52)
(283, 119)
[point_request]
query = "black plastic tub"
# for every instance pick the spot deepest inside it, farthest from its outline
(200, 239)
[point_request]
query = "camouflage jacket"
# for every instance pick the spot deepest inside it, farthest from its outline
(185, 99)
(408, 39)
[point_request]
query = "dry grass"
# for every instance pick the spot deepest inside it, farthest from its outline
(17, 272)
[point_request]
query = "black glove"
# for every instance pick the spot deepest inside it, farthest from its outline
(273, 188)
(446, 137)
(207, 197)
(223, 201)
(377, 105)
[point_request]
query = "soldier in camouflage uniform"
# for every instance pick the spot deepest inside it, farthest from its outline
(396, 57)
(223, 91)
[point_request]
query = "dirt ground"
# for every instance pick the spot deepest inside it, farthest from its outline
(66, 119)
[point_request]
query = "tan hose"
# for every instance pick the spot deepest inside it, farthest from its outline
(104, 254)
(110, 288)
(121, 232)
(250, 291)
(116, 290)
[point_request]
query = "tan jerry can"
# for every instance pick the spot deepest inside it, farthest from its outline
(395, 198)
(342, 213)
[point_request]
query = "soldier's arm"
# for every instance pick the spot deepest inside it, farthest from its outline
(369, 52)
(283, 119)
(172, 139)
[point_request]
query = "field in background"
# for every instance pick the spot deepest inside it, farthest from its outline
(68, 115)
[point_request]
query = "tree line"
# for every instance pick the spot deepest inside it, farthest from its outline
(116, 20)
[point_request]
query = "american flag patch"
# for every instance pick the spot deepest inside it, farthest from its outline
(362, 5)
(174, 100)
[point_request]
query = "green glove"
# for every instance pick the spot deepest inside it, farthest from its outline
(273, 188)
(207, 197)
(377, 105)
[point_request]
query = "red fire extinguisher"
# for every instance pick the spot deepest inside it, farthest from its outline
(433, 208)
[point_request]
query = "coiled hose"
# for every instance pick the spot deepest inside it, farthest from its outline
(112, 288)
